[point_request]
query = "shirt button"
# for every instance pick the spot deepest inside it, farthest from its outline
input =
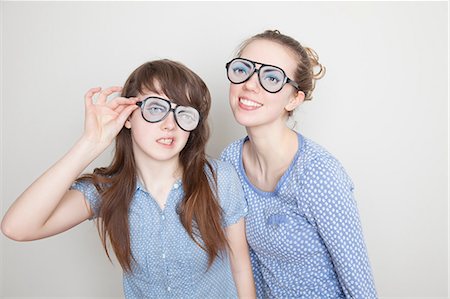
(163, 217)
(175, 186)
(164, 256)
(168, 289)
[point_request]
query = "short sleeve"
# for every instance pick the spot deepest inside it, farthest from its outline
(231, 195)
(90, 194)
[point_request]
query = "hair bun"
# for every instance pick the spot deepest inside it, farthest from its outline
(318, 70)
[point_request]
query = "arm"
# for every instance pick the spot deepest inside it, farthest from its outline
(257, 274)
(47, 207)
(240, 260)
(336, 217)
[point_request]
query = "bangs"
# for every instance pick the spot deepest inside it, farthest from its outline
(172, 79)
(164, 79)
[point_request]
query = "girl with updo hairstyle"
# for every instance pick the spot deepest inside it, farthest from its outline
(303, 225)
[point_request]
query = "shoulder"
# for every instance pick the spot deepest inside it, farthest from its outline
(233, 146)
(323, 184)
(232, 152)
(84, 185)
(223, 169)
(230, 194)
(91, 193)
(314, 151)
(318, 163)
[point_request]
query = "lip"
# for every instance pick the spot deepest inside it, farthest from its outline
(167, 142)
(248, 104)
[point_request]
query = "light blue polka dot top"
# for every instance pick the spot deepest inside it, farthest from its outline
(168, 263)
(305, 236)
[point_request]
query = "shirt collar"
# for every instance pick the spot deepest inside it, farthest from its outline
(140, 186)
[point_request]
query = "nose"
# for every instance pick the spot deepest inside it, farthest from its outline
(169, 123)
(252, 83)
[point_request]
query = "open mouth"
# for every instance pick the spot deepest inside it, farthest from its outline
(249, 103)
(165, 141)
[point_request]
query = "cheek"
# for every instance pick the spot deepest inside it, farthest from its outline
(140, 132)
(133, 119)
(140, 128)
(233, 94)
(280, 98)
(183, 137)
(234, 89)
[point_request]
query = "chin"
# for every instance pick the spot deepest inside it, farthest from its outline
(246, 121)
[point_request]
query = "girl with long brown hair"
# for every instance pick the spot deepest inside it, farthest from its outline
(173, 217)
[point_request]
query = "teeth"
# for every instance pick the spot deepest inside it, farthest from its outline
(166, 141)
(249, 103)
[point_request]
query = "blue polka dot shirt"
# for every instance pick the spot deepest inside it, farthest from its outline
(168, 263)
(305, 237)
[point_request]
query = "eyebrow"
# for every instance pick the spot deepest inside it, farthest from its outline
(158, 104)
(262, 64)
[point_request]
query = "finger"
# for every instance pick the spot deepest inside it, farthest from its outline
(120, 108)
(106, 92)
(121, 101)
(89, 94)
(123, 116)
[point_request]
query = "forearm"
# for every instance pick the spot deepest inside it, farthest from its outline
(345, 243)
(243, 278)
(35, 205)
(353, 268)
(240, 260)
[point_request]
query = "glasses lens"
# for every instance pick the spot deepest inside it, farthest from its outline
(239, 70)
(187, 117)
(271, 78)
(155, 109)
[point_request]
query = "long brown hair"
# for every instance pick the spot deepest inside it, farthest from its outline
(308, 69)
(199, 211)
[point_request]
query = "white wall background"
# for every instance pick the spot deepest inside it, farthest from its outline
(382, 109)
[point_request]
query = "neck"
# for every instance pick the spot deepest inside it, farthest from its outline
(271, 147)
(155, 175)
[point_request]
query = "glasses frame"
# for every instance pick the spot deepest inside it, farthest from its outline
(141, 104)
(256, 70)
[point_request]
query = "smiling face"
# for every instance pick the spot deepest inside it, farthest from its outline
(252, 106)
(159, 141)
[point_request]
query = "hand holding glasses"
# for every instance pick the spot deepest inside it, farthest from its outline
(271, 78)
(155, 109)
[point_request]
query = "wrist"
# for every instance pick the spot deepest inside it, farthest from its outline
(90, 149)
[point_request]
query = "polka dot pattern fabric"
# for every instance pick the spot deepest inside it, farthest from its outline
(305, 237)
(168, 263)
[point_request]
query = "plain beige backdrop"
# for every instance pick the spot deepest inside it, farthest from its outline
(381, 109)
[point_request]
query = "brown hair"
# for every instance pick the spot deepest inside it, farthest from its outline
(199, 211)
(308, 60)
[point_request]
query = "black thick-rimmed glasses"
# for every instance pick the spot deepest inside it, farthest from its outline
(271, 78)
(155, 109)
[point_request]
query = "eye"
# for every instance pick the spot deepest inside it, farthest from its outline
(240, 70)
(272, 77)
(187, 116)
(156, 109)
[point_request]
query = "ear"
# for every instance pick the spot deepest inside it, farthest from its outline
(295, 101)
(127, 124)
